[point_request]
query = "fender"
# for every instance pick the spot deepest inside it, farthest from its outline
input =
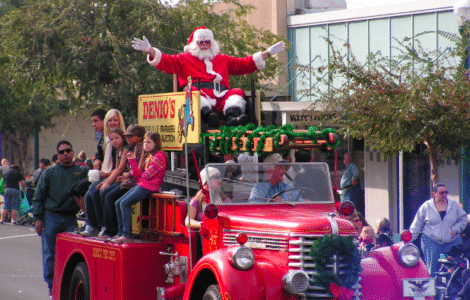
(379, 278)
(262, 281)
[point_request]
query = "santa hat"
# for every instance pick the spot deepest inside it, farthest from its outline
(200, 33)
(212, 171)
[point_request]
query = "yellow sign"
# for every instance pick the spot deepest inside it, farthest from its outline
(164, 113)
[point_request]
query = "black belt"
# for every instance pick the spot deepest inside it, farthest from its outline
(210, 85)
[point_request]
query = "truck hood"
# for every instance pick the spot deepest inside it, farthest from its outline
(302, 219)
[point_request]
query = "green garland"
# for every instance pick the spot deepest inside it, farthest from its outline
(224, 138)
(322, 252)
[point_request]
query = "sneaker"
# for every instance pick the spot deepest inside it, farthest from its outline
(89, 231)
(103, 234)
(122, 240)
(50, 293)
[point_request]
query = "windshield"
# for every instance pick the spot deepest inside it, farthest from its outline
(273, 183)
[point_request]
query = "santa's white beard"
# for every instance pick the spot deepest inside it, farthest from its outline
(209, 54)
(203, 54)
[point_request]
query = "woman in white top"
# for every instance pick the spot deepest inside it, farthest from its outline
(440, 220)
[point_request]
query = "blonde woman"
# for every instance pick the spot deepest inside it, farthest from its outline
(113, 119)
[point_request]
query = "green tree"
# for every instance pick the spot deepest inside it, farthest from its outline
(61, 56)
(396, 103)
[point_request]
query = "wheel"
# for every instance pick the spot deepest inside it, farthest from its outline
(455, 283)
(298, 189)
(80, 283)
(212, 293)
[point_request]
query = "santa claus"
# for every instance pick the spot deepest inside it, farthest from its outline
(201, 60)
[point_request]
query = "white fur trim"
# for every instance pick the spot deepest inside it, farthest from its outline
(202, 34)
(210, 70)
(235, 101)
(259, 61)
(207, 102)
(218, 77)
(156, 60)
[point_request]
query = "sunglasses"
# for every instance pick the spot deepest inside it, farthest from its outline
(204, 42)
(68, 150)
(444, 192)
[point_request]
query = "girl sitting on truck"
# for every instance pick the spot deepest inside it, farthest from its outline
(149, 173)
(197, 204)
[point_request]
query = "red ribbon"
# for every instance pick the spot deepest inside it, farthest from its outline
(340, 292)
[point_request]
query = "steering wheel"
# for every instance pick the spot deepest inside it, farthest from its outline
(293, 189)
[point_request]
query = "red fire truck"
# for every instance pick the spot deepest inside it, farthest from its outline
(252, 247)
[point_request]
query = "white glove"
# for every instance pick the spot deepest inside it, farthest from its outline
(277, 48)
(141, 45)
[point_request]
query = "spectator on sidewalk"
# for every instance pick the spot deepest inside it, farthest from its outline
(351, 188)
(54, 208)
(14, 183)
(440, 220)
(5, 166)
(44, 163)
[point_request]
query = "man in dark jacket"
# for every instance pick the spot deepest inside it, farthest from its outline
(54, 209)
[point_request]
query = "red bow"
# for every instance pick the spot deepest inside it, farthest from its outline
(340, 292)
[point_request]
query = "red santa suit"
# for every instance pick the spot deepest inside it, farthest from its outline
(214, 71)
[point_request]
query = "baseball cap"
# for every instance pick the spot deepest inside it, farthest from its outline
(135, 129)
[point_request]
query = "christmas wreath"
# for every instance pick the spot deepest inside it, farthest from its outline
(223, 139)
(322, 252)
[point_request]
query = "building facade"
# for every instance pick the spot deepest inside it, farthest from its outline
(394, 186)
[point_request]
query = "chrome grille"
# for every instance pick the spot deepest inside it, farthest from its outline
(299, 258)
(267, 242)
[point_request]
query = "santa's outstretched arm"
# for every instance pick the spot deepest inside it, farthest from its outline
(273, 50)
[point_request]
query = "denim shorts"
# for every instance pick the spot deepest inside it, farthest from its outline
(11, 199)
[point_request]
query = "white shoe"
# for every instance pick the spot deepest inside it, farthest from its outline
(89, 231)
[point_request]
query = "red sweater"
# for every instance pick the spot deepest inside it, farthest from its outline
(151, 178)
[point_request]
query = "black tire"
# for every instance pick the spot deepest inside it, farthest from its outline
(80, 283)
(212, 293)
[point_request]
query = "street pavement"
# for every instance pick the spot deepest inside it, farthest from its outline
(21, 264)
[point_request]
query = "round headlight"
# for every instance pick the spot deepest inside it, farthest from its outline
(296, 282)
(243, 258)
(409, 255)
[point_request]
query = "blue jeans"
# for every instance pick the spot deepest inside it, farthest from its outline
(54, 223)
(94, 210)
(12, 199)
(109, 197)
(123, 209)
(433, 250)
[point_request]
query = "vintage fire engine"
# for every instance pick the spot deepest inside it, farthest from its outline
(252, 248)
